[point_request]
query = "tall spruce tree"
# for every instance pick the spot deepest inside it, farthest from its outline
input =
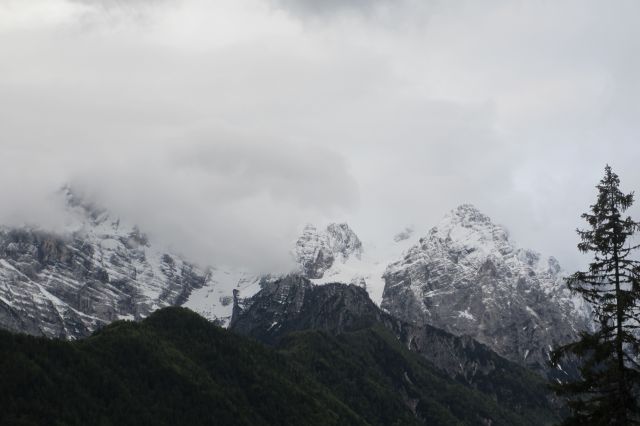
(607, 391)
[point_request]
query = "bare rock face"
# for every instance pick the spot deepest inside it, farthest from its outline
(67, 285)
(316, 251)
(467, 277)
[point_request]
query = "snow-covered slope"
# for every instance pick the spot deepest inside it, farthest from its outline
(214, 300)
(97, 271)
(364, 267)
(316, 254)
(467, 277)
(324, 255)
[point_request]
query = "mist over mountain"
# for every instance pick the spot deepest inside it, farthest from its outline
(466, 276)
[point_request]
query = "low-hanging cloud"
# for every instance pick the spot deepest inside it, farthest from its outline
(223, 126)
(216, 197)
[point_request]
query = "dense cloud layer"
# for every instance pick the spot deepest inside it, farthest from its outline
(226, 125)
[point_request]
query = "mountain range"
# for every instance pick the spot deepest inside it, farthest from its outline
(451, 327)
(465, 276)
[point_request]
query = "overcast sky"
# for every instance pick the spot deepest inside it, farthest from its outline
(223, 126)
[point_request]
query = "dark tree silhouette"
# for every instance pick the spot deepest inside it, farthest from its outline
(607, 391)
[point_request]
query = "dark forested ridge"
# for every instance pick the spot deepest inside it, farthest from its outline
(346, 320)
(175, 368)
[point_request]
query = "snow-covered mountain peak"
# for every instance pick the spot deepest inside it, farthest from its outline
(68, 282)
(470, 233)
(470, 238)
(468, 277)
(343, 241)
(316, 251)
(468, 213)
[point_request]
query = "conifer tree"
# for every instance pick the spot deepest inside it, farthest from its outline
(607, 391)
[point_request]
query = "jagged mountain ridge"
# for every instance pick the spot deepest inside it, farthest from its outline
(70, 284)
(101, 269)
(467, 277)
(67, 285)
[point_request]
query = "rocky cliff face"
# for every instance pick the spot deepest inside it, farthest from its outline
(467, 277)
(67, 285)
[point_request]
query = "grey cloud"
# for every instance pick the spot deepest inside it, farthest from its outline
(120, 4)
(311, 176)
(226, 125)
(224, 201)
(328, 7)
